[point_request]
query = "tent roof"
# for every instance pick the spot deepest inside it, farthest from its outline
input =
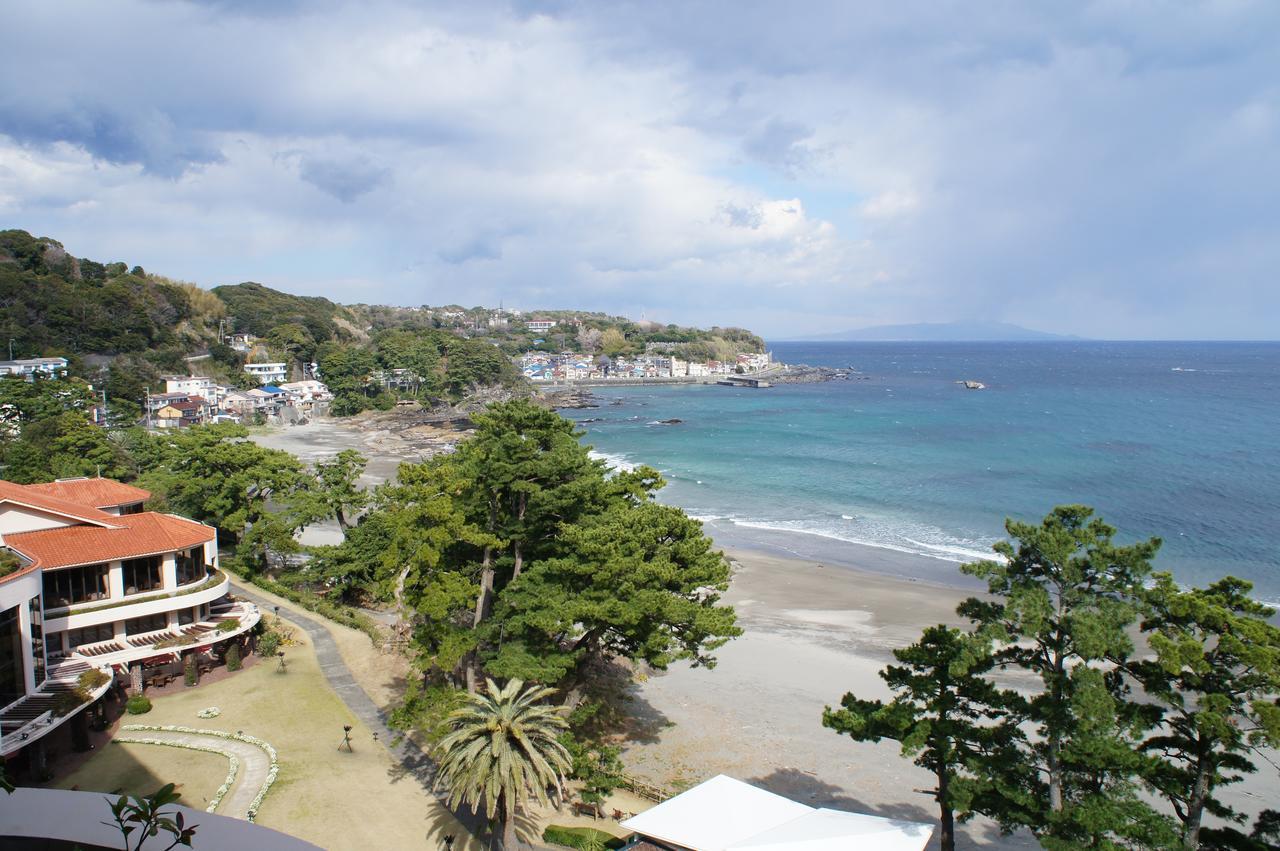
(724, 814)
(835, 830)
(714, 814)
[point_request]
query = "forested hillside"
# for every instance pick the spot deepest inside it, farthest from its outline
(52, 303)
(257, 309)
(124, 328)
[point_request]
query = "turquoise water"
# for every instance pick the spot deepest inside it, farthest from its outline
(1177, 440)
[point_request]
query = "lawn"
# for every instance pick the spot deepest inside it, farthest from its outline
(329, 797)
(142, 769)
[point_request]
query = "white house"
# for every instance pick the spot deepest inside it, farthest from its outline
(268, 373)
(29, 367)
(193, 385)
(540, 325)
(309, 396)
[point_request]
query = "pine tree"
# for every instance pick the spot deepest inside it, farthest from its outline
(1066, 599)
(1216, 674)
(942, 715)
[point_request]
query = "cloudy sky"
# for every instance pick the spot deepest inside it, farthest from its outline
(1109, 169)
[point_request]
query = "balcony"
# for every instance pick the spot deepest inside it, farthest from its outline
(195, 636)
(213, 587)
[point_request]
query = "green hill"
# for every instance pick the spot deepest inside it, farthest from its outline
(52, 303)
(258, 309)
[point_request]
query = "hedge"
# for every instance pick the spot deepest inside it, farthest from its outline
(582, 838)
(313, 602)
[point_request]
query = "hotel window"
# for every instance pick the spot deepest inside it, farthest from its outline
(136, 508)
(12, 682)
(90, 635)
(53, 644)
(150, 623)
(75, 585)
(190, 565)
(37, 640)
(186, 616)
(141, 574)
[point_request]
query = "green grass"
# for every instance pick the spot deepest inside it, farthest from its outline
(142, 769)
(583, 838)
(319, 787)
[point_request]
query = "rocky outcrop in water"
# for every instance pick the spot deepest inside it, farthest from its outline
(560, 399)
(805, 374)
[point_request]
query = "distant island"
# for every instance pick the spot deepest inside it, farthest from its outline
(939, 332)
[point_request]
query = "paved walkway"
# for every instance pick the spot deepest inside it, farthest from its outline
(254, 765)
(414, 760)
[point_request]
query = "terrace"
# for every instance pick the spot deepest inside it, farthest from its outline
(173, 642)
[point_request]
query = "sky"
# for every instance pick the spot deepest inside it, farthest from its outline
(1107, 169)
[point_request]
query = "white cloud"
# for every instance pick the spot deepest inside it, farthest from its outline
(827, 167)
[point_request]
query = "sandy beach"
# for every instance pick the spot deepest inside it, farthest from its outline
(812, 632)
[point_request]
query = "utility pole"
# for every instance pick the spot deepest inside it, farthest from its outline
(10, 348)
(104, 409)
(146, 404)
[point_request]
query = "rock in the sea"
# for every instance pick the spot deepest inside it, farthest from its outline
(672, 421)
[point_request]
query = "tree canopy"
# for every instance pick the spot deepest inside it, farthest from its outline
(1148, 698)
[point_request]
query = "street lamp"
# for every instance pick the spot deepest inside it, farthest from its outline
(346, 738)
(280, 668)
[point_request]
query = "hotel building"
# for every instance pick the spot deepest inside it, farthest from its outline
(90, 580)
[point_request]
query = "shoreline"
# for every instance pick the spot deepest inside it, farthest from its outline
(813, 629)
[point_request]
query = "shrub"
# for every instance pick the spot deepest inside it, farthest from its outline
(582, 838)
(190, 675)
(138, 704)
(68, 701)
(230, 625)
(268, 643)
(233, 657)
(92, 679)
(9, 562)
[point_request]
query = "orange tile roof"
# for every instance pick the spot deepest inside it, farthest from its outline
(139, 535)
(26, 496)
(95, 493)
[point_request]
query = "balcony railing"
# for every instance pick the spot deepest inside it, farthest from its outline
(212, 578)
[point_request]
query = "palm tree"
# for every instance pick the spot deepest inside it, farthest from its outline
(503, 745)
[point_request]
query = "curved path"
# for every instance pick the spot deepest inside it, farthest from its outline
(254, 764)
(414, 760)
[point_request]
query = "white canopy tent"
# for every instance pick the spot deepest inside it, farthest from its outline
(723, 814)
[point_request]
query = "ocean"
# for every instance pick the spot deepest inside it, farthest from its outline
(1176, 440)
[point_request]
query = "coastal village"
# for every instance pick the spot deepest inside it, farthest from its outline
(188, 400)
(654, 363)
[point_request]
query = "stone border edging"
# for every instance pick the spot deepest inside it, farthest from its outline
(232, 759)
(272, 773)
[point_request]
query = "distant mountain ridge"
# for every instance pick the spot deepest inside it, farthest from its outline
(939, 332)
